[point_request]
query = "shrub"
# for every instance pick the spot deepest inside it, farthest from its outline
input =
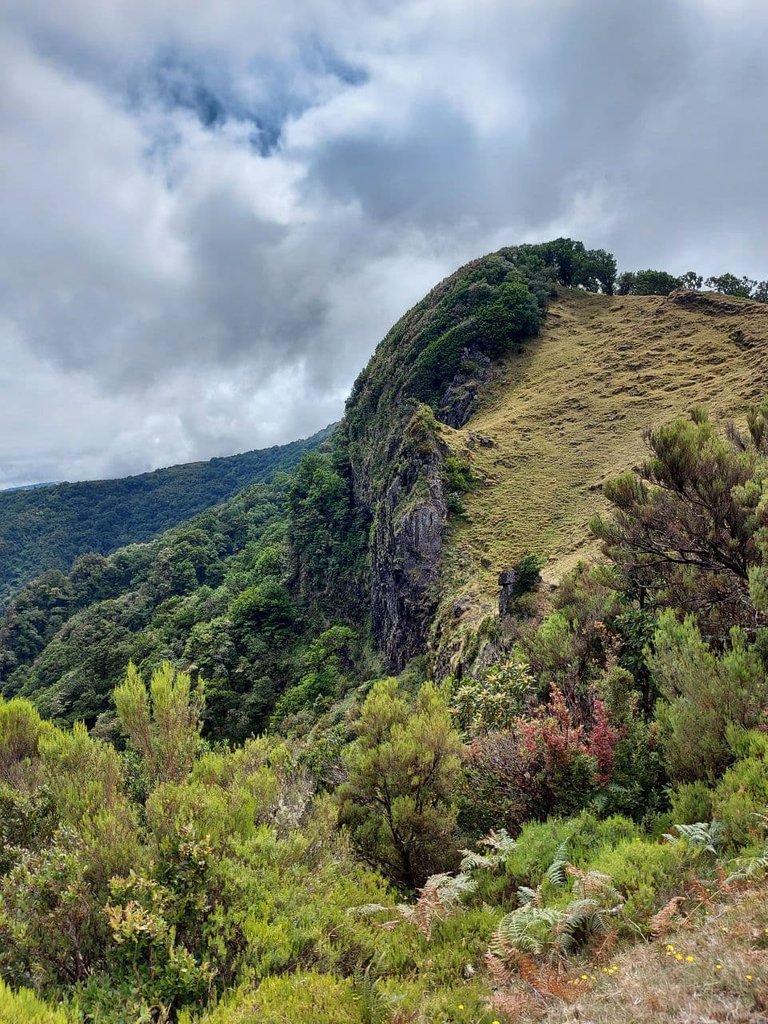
(546, 765)
(704, 695)
(647, 874)
(23, 1007)
(403, 771)
(691, 802)
(163, 724)
(495, 700)
(306, 996)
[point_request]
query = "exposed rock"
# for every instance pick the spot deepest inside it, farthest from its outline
(508, 584)
(462, 605)
(460, 395)
(405, 559)
(709, 303)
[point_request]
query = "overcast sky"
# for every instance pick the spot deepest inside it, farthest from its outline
(210, 213)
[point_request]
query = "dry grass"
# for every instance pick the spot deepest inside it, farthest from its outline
(570, 412)
(726, 979)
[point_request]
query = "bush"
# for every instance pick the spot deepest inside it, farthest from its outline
(403, 771)
(547, 765)
(23, 1007)
(647, 874)
(320, 998)
(705, 695)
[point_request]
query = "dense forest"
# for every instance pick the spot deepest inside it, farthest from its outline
(49, 526)
(238, 781)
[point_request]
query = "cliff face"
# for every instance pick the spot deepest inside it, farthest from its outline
(429, 370)
(406, 544)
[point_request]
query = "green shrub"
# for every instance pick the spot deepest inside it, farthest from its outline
(647, 874)
(691, 802)
(320, 998)
(403, 773)
(23, 1007)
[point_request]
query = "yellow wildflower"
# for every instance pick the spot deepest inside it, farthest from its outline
(689, 959)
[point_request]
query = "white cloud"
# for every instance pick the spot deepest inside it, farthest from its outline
(209, 214)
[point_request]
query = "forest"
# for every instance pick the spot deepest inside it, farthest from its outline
(49, 526)
(240, 779)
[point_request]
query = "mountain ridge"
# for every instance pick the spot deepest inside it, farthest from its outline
(47, 526)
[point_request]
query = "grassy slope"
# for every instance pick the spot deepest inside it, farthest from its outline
(570, 412)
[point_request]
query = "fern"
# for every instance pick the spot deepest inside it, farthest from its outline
(471, 860)
(526, 896)
(557, 871)
(530, 929)
(748, 868)
(500, 843)
(702, 835)
(594, 885)
(583, 921)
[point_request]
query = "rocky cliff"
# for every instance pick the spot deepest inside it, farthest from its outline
(429, 370)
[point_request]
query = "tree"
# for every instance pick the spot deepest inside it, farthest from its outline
(729, 284)
(691, 280)
(596, 271)
(404, 768)
(685, 527)
(654, 282)
(625, 283)
(163, 724)
(704, 697)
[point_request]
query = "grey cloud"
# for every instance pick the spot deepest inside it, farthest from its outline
(210, 215)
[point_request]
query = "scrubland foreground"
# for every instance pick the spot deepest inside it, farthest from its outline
(298, 759)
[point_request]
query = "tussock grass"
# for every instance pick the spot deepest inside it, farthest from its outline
(569, 413)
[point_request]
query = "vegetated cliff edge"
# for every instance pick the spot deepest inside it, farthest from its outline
(477, 433)
(428, 369)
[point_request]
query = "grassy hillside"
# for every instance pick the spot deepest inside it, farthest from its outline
(47, 527)
(569, 413)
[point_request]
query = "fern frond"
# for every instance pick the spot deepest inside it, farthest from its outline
(368, 910)
(702, 835)
(583, 921)
(526, 896)
(660, 922)
(529, 929)
(748, 868)
(500, 841)
(557, 871)
(472, 860)
(595, 884)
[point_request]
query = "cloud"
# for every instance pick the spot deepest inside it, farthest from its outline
(210, 214)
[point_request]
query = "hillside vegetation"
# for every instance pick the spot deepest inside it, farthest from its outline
(297, 759)
(570, 413)
(47, 527)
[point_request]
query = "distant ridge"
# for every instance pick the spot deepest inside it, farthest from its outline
(47, 526)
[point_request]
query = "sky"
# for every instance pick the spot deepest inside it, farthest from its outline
(210, 213)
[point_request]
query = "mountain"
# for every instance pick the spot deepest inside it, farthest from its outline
(463, 719)
(572, 412)
(48, 525)
(481, 432)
